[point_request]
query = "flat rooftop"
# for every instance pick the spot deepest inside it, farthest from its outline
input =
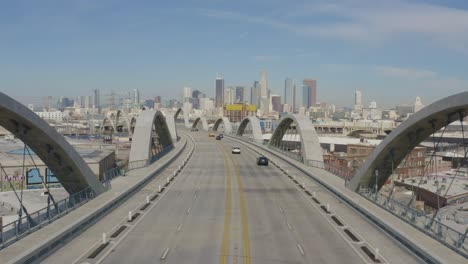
(435, 182)
(11, 153)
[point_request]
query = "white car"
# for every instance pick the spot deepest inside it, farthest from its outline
(236, 150)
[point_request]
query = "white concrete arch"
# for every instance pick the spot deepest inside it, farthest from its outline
(402, 140)
(186, 117)
(256, 129)
(50, 146)
(227, 125)
(310, 145)
(203, 121)
(107, 121)
(149, 122)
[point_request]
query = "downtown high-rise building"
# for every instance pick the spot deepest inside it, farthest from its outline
(290, 93)
(229, 95)
(358, 101)
(196, 95)
(309, 96)
(255, 94)
(219, 92)
(276, 103)
(187, 94)
(136, 96)
(240, 94)
(264, 99)
(97, 99)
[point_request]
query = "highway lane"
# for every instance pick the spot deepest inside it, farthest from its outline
(232, 188)
(283, 225)
(223, 208)
(189, 220)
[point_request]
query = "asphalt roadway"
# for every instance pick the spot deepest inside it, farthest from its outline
(224, 208)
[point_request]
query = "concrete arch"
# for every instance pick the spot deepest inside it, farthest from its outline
(119, 116)
(186, 118)
(402, 140)
(149, 121)
(256, 129)
(132, 125)
(310, 145)
(50, 146)
(172, 128)
(105, 122)
(204, 123)
(227, 125)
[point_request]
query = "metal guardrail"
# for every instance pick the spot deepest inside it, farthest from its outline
(432, 227)
(14, 231)
(30, 255)
(457, 245)
(18, 229)
(344, 174)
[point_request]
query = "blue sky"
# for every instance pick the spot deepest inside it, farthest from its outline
(391, 50)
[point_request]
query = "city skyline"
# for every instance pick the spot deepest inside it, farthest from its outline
(120, 47)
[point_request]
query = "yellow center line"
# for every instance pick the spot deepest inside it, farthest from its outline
(227, 213)
(245, 224)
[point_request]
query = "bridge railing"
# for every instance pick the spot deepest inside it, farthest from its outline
(14, 231)
(337, 171)
(448, 236)
(425, 223)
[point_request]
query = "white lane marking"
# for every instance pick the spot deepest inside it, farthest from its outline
(281, 210)
(289, 226)
(301, 250)
(179, 228)
(164, 255)
(188, 210)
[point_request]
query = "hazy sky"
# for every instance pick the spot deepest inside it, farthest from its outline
(391, 50)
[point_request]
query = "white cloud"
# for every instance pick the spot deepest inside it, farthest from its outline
(368, 21)
(405, 72)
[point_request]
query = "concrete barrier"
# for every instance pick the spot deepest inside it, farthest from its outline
(424, 254)
(37, 250)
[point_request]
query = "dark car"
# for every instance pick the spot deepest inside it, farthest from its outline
(262, 161)
(221, 135)
(218, 137)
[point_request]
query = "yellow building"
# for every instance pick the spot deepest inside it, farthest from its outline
(237, 112)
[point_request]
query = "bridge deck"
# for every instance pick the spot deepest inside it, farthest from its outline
(270, 220)
(119, 186)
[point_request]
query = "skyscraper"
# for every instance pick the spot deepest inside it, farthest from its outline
(219, 89)
(290, 93)
(358, 98)
(255, 94)
(240, 98)
(358, 101)
(136, 96)
(157, 99)
(97, 99)
(312, 93)
(187, 94)
(229, 95)
(263, 84)
(196, 99)
(276, 103)
(305, 96)
(264, 99)
(418, 105)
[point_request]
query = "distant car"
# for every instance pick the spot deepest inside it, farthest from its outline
(262, 161)
(211, 134)
(218, 137)
(194, 129)
(236, 150)
(221, 135)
